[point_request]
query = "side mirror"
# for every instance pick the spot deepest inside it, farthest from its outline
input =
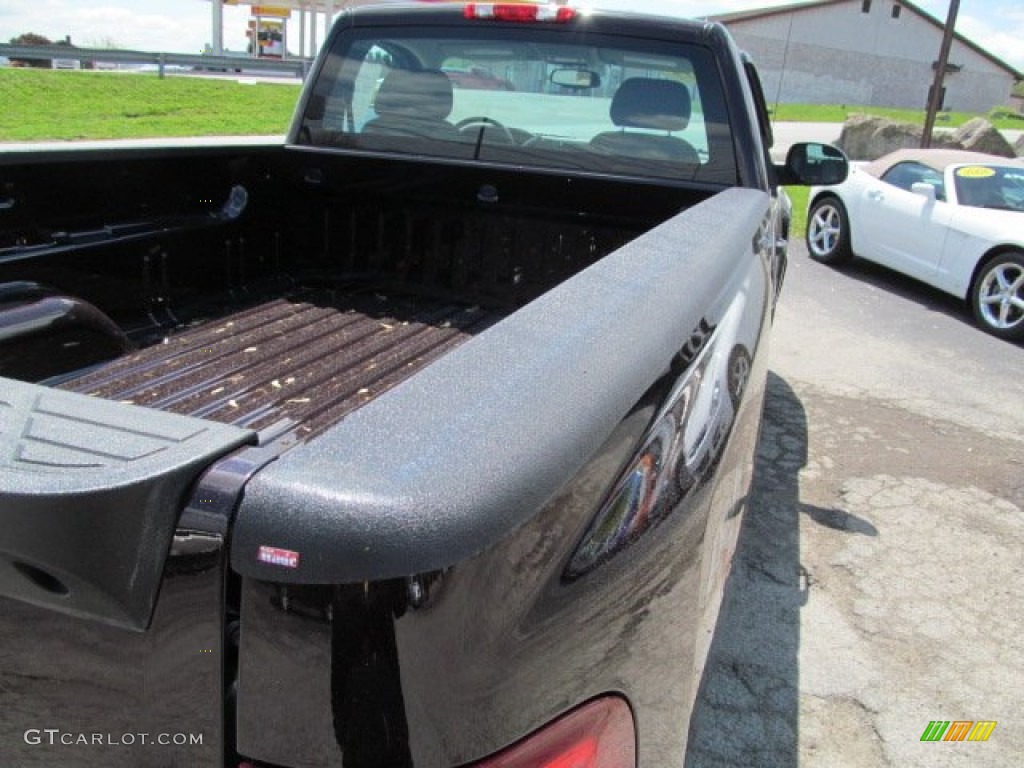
(924, 189)
(811, 163)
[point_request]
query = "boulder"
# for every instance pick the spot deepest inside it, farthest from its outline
(1018, 146)
(866, 137)
(979, 135)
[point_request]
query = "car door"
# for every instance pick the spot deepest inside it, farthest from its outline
(901, 229)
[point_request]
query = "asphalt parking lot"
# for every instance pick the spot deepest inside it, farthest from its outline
(878, 582)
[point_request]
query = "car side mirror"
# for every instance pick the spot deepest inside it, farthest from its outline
(924, 189)
(813, 164)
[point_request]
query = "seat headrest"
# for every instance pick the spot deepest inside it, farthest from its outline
(643, 102)
(426, 94)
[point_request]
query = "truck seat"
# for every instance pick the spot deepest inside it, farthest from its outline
(647, 103)
(414, 105)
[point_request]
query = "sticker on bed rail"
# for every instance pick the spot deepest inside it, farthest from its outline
(975, 172)
(286, 558)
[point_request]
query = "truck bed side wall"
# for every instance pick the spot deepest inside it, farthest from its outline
(477, 592)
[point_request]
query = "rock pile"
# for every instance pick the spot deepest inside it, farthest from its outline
(866, 137)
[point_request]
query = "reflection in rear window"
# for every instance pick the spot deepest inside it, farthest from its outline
(578, 102)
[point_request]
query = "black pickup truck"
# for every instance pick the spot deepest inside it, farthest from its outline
(420, 439)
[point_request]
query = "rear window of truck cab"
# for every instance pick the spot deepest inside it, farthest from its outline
(542, 99)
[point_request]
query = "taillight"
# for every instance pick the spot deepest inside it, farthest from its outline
(519, 12)
(597, 735)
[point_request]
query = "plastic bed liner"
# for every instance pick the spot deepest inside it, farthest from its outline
(296, 365)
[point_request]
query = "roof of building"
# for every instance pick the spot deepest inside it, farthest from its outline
(782, 10)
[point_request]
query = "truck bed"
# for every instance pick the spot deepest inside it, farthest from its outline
(289, 365)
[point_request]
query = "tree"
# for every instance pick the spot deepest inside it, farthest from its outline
(31, 38)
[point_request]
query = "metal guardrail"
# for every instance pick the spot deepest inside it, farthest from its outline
(298, 67)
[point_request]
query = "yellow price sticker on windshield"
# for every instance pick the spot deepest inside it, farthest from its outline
(975, 172)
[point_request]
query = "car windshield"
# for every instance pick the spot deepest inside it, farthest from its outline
(578, 102)
(990, 186)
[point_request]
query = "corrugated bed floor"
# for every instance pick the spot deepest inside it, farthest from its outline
(299, 364)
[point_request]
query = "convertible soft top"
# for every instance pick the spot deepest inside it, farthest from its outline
(938, 159)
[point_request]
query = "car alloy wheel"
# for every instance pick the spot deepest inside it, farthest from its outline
(828, 232)
(998, 296)
(739, 373)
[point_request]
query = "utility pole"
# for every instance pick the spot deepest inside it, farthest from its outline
(940, 73)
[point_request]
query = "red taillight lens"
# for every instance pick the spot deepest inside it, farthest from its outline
(597, 735)
(519, 12)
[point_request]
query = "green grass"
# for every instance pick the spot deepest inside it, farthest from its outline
(798, 225)
(1001, 117)
(45, 104)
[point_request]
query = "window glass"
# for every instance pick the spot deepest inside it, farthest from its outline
(905, 175)
(990, 186)
(554, 101)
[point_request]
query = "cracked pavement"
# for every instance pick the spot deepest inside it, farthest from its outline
(877, 582)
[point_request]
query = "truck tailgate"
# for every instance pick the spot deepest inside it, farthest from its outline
(90, 492)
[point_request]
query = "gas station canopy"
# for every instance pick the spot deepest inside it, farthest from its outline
(318, 14)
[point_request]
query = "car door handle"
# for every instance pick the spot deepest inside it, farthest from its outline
(876, 194)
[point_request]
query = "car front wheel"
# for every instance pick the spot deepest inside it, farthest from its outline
(997, 296)
(828, 232)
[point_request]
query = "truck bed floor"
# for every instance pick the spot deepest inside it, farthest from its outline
(298, 365)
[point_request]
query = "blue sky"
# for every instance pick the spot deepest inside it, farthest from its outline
(184, 25)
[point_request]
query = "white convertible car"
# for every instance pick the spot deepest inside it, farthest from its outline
(952, 219)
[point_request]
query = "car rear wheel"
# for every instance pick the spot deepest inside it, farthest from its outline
(828, 232)
(997, 296)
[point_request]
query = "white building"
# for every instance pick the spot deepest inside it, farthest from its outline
(879, 53)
